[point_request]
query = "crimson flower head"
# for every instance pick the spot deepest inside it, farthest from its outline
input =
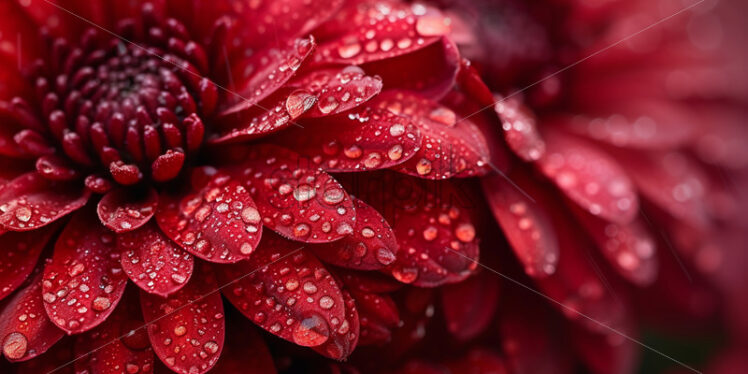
(262, 186)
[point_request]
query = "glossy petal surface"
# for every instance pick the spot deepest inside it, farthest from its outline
(122, 210)
(215, 220)
(153, 262)
(19, 256)
(187, 329)
(84, 281)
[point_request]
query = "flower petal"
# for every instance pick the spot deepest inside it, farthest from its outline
(114, 347)
(271, 115)
(520, 129)
(83, 282)
(479, 360)
(285, 290)
(378, 315)
(371, 245)
(293, 198)
(432, 223)
(343, 337)
(367, 139)
(262, 74)
(245, 351)
(469, 306)
(122, 210)
(24, 327)
(449, 148)
(629, 248)
(411, 72)
(525, 224)
(216, 219)
(153, 262)
(31, 201)
(187, 329)
(366, 31)
(19, 256)
(589, 177)
(337, 90)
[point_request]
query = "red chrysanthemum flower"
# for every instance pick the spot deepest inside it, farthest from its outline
(328, 169)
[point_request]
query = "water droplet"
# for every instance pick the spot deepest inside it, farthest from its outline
(349, 50)
(23, 214)
(180, 330)
(250, 215)
(15, 345)
(211, 347)
(311, 331)
(465, 232)
(101, 304)
(299, 102)
(423, 166)
(326, 302)
(304, 192)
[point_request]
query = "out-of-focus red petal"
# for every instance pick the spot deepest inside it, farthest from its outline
(113, 347)
(153, 262)
(24, 327)
(371, 245)
(337, 90)
(469, 306)
(480, 361)
(368, 282)
(187, 329)
(637, 124)
(294, 198)
(520, 129)
(123, 209)
(16, 25)
(245, 351)
(263, 73)
(433, 226)
(30, 201)
(723, 141)
(531, 335)
(589, 177)
(285, 290)
(343, 336)
(524, 222)
(672, 181)
(83, 282)
(423, 367)
(19, 256)
(629, 248)
(378, 315)
(215, 219)
(450, 147)
(368, 139)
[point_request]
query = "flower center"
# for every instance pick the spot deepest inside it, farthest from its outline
(128, 107)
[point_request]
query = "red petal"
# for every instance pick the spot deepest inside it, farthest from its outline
(520, 129)
(19, 256)
(286, 291)
(56, 359)
(639, 124)
(123, 209)
(672, 181)
(272, 115)
(338, 90)
(295, 200)
(411, 72)
(525, 223)
(24, 326)
(480, 361)
(245, 351)
(113, 347)
(433, 227)
(469, 306)
(371, 245)
(153, 262)
(216, 220)
(370, 139)
(31, 201)
(343, 337)
(378, 315)
(629, 248)
(368, 282)
(450, 148)
(262, 74)
(83, 282)
(368, 31)
(56, 168)
(187, 329)
(590, 178)
(263, 23)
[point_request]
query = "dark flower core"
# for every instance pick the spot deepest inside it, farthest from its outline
(126, 106)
